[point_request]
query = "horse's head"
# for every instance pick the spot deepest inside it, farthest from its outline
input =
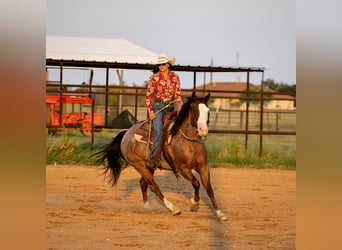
(200, 119)
(196, 111)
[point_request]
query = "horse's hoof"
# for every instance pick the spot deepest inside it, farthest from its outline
(194, 208)
(194, 205)
(147, 206)
(176, 212)
(223, 218)
(221, 215)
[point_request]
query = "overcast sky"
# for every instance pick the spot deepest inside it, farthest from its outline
(262, 33)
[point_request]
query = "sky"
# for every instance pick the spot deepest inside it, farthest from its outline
(244, 33)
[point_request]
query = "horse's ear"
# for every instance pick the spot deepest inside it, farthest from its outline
(206, 98)
(193, 94)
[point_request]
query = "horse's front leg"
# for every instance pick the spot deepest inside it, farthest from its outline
(194, 204)
(187, 174)
(205, 178)
(196, 198)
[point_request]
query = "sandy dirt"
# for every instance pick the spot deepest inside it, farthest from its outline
(84, 212)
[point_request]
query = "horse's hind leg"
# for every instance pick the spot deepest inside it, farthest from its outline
(147, 179)
(205, 178)
(144, 186)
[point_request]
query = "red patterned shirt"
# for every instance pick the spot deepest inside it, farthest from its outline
(159, 89)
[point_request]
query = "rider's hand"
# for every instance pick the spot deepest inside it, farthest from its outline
(152, 115)
(178, 105)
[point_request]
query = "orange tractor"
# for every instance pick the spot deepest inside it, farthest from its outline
(76, 114)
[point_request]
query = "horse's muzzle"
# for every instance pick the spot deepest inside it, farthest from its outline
(202, 131)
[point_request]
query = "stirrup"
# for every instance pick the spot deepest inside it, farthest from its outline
(153, 165)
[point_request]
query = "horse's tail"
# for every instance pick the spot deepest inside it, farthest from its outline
(112, 154)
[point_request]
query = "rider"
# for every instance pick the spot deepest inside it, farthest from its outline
(163, 87)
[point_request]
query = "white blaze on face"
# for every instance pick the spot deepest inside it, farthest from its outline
(202, 125)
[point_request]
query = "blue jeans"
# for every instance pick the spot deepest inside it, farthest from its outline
(158, 128)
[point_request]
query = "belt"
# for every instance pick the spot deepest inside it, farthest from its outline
(165, 101)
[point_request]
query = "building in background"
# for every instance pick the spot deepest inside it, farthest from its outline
(230, 98)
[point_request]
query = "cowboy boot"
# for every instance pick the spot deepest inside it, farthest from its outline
(153, 163)
(155, 160)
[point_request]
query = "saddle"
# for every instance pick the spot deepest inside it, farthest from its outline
(145, 129)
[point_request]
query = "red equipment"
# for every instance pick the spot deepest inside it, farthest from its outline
(70, 118)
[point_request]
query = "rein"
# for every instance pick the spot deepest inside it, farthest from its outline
(166, 106)
(189, 138)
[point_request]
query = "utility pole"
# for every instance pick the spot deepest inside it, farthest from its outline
(238, 77)
(211, 73)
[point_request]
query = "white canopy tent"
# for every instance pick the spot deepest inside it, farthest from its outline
(97, 49)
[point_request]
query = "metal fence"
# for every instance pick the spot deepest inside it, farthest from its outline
(112, 102)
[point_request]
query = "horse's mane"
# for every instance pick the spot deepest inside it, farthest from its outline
(182, 115)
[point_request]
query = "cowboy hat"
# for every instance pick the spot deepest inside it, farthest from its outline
(162, 58)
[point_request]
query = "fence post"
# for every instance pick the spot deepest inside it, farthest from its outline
(229, 117)
(277, 124)
(92, 109)
(247, 112)
(92, 123)
(136, 104)
(61, 95)
(106, 98)
(261, 127)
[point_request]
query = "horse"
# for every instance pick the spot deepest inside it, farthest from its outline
(183, 151)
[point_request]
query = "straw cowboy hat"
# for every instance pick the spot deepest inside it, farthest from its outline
(162, 58)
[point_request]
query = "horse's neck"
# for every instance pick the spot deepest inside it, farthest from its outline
(188, 129)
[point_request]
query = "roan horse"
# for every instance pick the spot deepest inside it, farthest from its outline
(183, 152)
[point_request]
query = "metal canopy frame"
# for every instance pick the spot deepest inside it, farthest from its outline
(122, 65)
(140, 66)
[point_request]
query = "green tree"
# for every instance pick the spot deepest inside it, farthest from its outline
(279, 87)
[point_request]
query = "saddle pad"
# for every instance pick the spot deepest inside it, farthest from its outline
(142, 132)
(140, 138)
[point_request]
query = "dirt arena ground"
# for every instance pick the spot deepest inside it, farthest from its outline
(84, 212)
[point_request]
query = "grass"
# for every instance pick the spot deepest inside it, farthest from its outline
(228, 151)
(66, 151)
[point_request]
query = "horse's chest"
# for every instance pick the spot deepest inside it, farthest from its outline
(183, 149)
